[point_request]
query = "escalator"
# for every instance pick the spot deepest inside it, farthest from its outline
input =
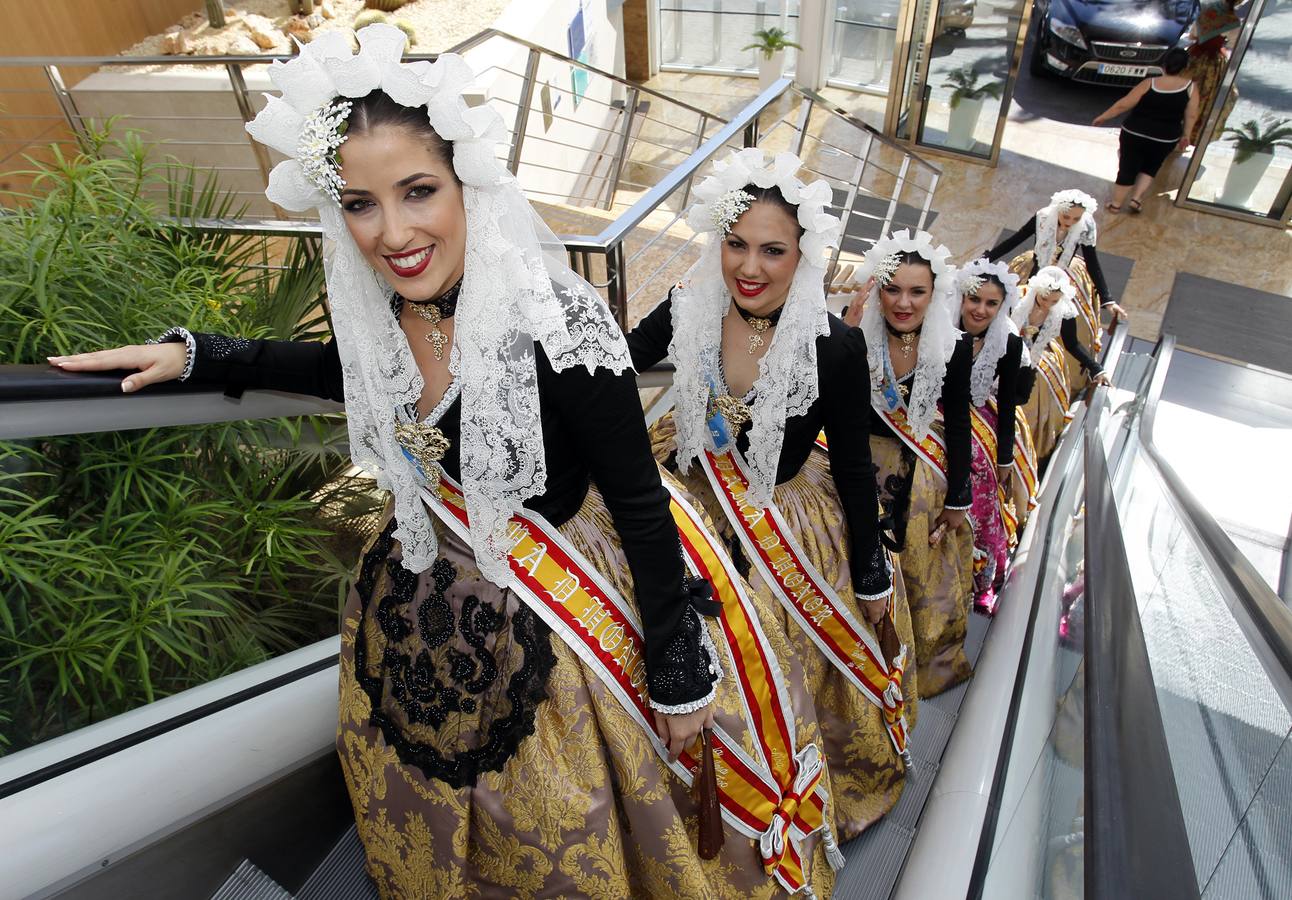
(1126, 733)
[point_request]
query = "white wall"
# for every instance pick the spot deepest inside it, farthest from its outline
(562, 159)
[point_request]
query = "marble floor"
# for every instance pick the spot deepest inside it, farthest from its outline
(1039, 156)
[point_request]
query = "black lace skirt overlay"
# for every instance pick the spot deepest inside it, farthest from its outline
(453, 666)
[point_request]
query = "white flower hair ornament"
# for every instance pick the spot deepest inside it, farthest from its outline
(938, 334)
(517, 288)
(1045, 281)
(970, 280)
(720, 194)
(787, 373)
(1065, 200)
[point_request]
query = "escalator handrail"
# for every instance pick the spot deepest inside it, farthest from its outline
(1031, 585)
(1136, 843)
(1265, 619)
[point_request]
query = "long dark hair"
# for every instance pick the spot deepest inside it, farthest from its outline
(774, 196)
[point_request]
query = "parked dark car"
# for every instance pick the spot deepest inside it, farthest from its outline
(1113, 42)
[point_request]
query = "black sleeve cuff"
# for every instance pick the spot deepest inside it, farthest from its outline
(683, 676)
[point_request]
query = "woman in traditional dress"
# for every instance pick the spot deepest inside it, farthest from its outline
(1208, 59)
(1046, 316)
(482, 754)
(764, 379)
(1064, 234)
(1003, 471)
(919, 441)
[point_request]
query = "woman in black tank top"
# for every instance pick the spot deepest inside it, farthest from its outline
(1162, 113)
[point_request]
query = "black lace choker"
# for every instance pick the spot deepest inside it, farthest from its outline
(759, 324)
(446, 304)
(434, 311)
(771, 319)
(903, 334)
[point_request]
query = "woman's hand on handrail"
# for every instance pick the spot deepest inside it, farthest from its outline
(155, 363)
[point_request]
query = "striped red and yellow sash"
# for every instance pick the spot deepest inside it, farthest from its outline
(1086, 303)
(930, 448)
(984, 435)
(808, 597)
(1050, 365)
(1024, 453)
(776, 796)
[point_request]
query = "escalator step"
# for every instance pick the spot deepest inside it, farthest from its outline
(341, 876)
(874, 860)
(249, 883)
(933, 726)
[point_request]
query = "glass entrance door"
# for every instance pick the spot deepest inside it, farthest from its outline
(958, 62)
(1242, 166)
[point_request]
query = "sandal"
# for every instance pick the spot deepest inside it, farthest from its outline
(1136, 206)
(1113, 208)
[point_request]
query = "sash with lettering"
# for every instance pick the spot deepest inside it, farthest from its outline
(984, 435)
(775, 796)
(1024, 454)
(930, 448)
(809, 599)
(1082, 281)
(1050, 365)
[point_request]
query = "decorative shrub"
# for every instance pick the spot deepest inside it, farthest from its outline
(135, 564)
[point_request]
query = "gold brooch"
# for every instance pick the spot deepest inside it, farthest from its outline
(908, 343)
(733, 410)
(429, 312)
(756, 339)
(425, 442)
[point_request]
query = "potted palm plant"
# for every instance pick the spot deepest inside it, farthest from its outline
(771, 43)
(967, 97)
(1254, 144)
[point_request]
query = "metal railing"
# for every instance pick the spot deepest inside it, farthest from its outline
(647, 150)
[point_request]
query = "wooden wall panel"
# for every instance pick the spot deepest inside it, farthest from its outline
(29, 114)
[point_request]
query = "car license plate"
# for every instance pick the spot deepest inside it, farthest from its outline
(1125, 71)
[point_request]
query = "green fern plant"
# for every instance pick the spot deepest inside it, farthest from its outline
(964, 84)
(136, 564)
(1259, 136)
(769, 41)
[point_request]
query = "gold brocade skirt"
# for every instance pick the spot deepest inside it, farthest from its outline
(444, 672)
(939, 579)
(866, 773)
(1047, 410)
(1018, 491)
(1088, 302)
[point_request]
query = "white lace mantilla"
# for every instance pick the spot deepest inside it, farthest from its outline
(1048, 279)
(938, 334)
(996, 341)
(1047, 228)
(517, 290)
(787, 374)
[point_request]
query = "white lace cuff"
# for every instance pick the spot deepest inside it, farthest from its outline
(871, 598)
(174, 336)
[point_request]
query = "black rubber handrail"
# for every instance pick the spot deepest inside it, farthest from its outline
(156, 729)
(27, 383)
(1136, 844)
(1068, 444)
